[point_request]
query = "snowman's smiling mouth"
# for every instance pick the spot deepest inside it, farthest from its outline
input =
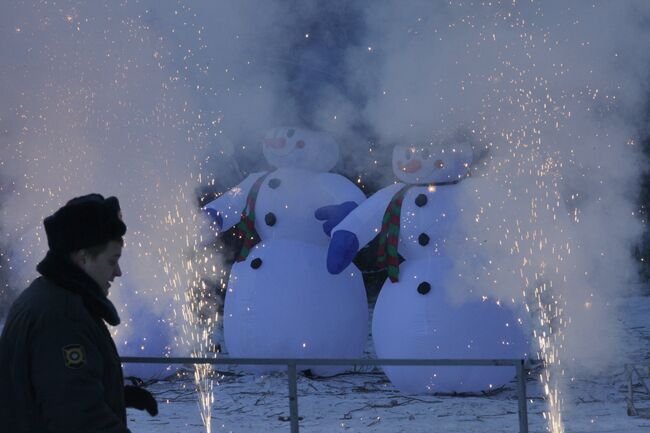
(416, 168)
(276, 143)
(412, 166)
(278, 146)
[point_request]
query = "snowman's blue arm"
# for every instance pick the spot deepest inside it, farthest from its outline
(342, 250)
(365, 221)
(216, 220)
(229, 206)
(334, 214)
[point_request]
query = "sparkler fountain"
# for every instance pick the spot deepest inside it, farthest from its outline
(539, 87)
(104, 118)
(188, 283)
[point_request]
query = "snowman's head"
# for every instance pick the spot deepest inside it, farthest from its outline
(300, 148)
(431, 163)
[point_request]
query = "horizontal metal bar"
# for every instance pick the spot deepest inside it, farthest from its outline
(293, 362)
(324, 361)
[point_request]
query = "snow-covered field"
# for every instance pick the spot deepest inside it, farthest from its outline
(366, 402)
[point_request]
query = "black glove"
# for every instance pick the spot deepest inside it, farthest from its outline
(140, 398)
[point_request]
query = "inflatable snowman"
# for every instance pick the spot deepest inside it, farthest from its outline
(417, 315)
(281, 301)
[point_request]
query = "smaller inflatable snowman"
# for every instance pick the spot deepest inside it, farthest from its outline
(281, 301)
(417, 315)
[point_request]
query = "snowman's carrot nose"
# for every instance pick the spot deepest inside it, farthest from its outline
(412, 166)
(275, 143)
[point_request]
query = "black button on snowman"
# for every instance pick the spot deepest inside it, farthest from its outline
(270, 219)
(274, 183)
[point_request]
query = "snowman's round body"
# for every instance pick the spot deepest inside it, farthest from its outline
(418, 315)
(290, 306)
(419, 318)
(281, 304)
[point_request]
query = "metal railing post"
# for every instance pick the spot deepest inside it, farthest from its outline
(293, 397)
(628, 375)
(521, 397)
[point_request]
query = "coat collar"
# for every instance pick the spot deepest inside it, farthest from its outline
(64, 273)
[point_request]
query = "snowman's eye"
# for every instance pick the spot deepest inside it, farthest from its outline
(425, 154)
(291, 132)
(439, 164)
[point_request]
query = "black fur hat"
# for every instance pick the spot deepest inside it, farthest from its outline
(84, 222)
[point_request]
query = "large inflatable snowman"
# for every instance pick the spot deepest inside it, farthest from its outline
(281, 301)
(417, 314)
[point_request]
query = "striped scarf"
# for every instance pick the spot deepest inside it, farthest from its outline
(387, 256)
(246, 225)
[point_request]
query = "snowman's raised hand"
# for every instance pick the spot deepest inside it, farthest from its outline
(215, 218)
(343, 247)
(334, 214)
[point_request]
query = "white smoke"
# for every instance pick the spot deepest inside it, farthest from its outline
(551, 94)
(136, 99)
(113, 98)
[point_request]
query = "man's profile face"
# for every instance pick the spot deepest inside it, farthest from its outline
(105, 266)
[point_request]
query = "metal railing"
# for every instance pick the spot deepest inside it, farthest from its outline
(292, 364)
(642, 373)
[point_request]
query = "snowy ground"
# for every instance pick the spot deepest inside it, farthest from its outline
(366, 402)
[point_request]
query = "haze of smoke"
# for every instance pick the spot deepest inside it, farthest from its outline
(551, 95)
(104, 98)
(130, 99)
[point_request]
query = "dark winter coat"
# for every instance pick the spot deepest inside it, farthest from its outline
(59, 369)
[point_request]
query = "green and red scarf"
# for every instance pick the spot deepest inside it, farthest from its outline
(387, 256)
(246, 225)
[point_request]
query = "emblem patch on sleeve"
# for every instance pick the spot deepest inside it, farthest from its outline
(74, 356)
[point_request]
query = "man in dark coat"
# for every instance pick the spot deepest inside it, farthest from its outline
(59, 369)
